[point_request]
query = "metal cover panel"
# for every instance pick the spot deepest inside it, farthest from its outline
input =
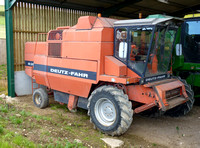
(141, 22)
(61, 97)
(23, 84)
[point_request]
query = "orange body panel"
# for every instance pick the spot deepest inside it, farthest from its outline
(29, 56)
(41, 76)
(114, 67)
(41, 48)
(163, 88)
(29, 49)
(141, 94)
(74, 64)
(85, 22)
(81, 50)
(132, 74)
(148, 95)
(107, 50)
(94, 35)
(70, 84)
(113, 79)
(29, 71)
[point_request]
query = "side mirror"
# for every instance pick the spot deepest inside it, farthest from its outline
(123, 50)
(178, 49)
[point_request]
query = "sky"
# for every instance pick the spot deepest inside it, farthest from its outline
(1, 2)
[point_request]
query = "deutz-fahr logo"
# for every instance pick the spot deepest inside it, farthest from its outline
(69, 73)
(150, 79)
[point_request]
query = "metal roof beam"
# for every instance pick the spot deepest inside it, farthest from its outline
(64, 4)
(185, 11)
(112, 9)
(152, 10)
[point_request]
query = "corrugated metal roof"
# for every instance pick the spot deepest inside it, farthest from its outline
(126, 8)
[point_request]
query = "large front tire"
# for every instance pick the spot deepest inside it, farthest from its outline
(110, 110)
(183, 109)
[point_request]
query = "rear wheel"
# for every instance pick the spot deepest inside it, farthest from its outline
(183, 109)
(40, 98)
(110, 110)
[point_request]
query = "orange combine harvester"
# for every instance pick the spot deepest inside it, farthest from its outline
(112, 68)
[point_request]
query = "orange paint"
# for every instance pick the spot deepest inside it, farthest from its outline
(79, 57)
(72, 103)
(114, 67)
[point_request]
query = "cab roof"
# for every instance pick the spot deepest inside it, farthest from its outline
(144, 22)
(192, 15)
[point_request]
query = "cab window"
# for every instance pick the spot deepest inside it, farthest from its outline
(139, 45)
(121, 46)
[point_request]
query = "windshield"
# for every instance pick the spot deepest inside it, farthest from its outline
(139, 45)
(160, 52)
(191, 41)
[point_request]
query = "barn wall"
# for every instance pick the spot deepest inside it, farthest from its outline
(31, 19)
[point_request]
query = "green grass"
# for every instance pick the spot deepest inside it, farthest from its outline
(15, 120)
(11, 139)
(1, 129)
(12, 122)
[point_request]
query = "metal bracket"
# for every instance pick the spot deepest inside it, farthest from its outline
(159, 98)
(11, 3)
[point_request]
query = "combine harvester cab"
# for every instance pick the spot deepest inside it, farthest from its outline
(186, 57)
(81, 67)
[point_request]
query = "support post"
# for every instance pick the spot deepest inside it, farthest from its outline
(72, 103)
(9, 46)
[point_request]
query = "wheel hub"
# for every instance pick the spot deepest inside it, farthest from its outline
(38, 99)
(105, 112)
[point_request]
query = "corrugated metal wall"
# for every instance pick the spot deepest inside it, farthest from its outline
(31, 19)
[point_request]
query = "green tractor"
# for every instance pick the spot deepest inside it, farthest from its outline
(186, 56)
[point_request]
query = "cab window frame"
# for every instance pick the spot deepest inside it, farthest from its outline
(115, 41)
(148, 51)
(128, 28)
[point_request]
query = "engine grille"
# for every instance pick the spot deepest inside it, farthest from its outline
(173, 93)
(54, 49)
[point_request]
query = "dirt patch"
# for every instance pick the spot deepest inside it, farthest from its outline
(173, 132)
(144, 132)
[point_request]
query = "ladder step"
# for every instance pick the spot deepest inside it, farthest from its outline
(175, 102)
(34, 84)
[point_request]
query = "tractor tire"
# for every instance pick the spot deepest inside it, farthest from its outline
(183, 109)
(40, 98)
(110, 110)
